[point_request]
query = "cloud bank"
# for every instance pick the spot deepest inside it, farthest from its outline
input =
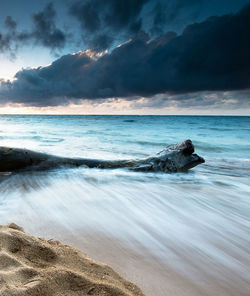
(99, 24)
(209, 56)
(105, 23)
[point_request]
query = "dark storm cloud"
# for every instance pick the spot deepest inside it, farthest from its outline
(167, 12)
(10, 23)
(209, 56)
(44, 32)
(113, 20)
(5, 41)
(105, 24)
(101, 24)
(103, 20)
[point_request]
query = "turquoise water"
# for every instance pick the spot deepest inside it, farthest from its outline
(105, 135)
(203, 214)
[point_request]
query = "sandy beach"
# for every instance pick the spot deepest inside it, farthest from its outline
(154, 276)
(34, 266)
(47, 267)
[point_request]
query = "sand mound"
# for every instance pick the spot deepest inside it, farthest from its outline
(34, 266)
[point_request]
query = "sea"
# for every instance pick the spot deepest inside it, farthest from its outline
(195, 223)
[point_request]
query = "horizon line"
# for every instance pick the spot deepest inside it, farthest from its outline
(106, 114)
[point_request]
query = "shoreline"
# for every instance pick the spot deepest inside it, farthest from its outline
(153, 276)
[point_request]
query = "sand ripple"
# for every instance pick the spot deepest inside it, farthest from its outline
(34, 266)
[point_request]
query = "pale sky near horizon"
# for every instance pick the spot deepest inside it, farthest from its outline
(126, 57)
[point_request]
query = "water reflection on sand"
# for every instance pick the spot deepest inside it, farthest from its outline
(186, 234)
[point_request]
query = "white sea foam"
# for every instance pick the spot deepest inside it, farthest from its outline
(198, 222)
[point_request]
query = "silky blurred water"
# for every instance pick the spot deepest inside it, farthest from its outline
(197, 222)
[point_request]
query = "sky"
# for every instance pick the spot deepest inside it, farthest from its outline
(125, 57)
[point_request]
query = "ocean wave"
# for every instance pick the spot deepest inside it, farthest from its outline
(34, 138)
(147, 143)
(222, 148)
(210, 148)
(129, 120)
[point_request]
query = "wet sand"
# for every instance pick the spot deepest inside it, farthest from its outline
(155, 277)
(166, 242)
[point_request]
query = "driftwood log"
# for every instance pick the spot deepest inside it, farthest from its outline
(174, 158)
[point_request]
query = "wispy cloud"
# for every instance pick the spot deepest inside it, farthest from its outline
(43, 32)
